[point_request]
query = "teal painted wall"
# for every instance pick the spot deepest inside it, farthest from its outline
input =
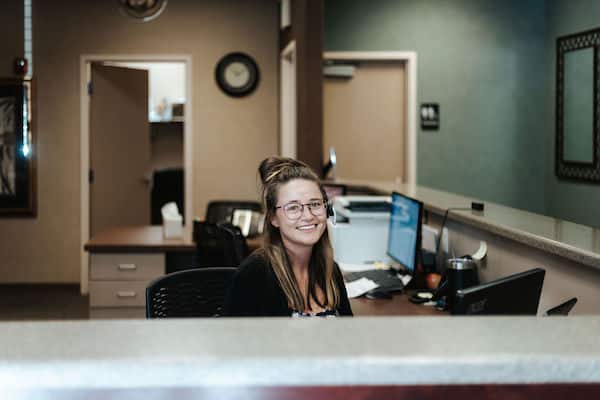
(484, 62)
(567, 200)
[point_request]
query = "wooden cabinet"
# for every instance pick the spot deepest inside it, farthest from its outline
(118, 283)
(123, 261)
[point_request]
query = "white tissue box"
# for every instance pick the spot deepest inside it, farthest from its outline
(173, 228)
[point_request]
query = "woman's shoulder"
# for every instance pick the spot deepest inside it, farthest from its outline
(255, 264)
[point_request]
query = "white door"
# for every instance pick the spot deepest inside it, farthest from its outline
(364, 119)
(119, 148)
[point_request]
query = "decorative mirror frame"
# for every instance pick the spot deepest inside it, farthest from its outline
(574, 170)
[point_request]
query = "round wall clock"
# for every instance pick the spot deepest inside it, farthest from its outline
(142, 10)
(237, 74)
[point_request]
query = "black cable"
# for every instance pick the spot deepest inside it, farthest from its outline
(439, 241)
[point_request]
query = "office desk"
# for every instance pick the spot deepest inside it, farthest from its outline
(144, 239)
(516, 241)
(398, 305)
(123, 261)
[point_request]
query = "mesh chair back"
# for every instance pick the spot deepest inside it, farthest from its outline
(219, 244)
(191, 293)
(222, 210)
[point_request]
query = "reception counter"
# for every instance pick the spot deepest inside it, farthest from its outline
(576, 242)
(517, 240)
(283, 358)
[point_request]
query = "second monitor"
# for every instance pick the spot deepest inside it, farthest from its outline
(404, 239)
(517, 294)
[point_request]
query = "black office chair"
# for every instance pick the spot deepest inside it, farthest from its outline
(220, 244)
(222, 210)
(196, 292)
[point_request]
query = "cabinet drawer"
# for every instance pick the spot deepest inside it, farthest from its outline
(131, 267)
(118, 313)
(118, 293)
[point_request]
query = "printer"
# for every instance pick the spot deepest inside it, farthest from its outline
(360, 232)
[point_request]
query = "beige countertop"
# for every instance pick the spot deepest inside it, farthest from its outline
(343, 351)
(269, 352)
(576, 242)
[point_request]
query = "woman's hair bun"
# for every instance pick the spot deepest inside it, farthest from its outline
(272, 166)
(267, 166)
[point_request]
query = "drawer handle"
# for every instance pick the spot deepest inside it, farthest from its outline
(128, 293)
(127, 267)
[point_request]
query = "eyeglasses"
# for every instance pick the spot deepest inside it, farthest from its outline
(295, 210)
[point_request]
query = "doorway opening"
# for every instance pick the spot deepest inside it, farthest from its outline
(135, 142)
(287, 112)
(369, 114)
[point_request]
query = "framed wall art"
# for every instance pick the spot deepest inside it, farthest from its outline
(18, 197)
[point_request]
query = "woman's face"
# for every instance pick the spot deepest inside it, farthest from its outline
(303, 229)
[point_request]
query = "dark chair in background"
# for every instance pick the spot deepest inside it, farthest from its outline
(167, 186)
(190, 293)
(220, 244)
(222, 210)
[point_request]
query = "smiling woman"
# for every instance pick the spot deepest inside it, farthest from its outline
(293, 274)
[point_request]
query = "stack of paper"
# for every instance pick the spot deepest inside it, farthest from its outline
(359, 287)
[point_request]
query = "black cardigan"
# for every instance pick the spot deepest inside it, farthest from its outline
(255, 291)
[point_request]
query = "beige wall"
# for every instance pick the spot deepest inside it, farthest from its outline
(231, 135)
(11, 32)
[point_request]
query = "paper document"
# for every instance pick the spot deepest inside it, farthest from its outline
(405, 279)
(347, 267)
(359, 287)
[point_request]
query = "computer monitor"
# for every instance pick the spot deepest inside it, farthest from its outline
(517, 294)
(404, 239)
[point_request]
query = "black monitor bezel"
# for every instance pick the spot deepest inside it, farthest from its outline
(471, 296)
(403, 267)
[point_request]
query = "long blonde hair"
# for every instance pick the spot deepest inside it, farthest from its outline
(274, 172)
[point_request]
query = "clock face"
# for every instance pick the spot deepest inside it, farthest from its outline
(237, 74)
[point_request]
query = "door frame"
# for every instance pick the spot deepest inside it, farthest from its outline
(85, 61)
(409, 58)
(287, 104)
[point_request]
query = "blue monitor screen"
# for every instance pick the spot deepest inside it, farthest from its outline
(403, 238)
